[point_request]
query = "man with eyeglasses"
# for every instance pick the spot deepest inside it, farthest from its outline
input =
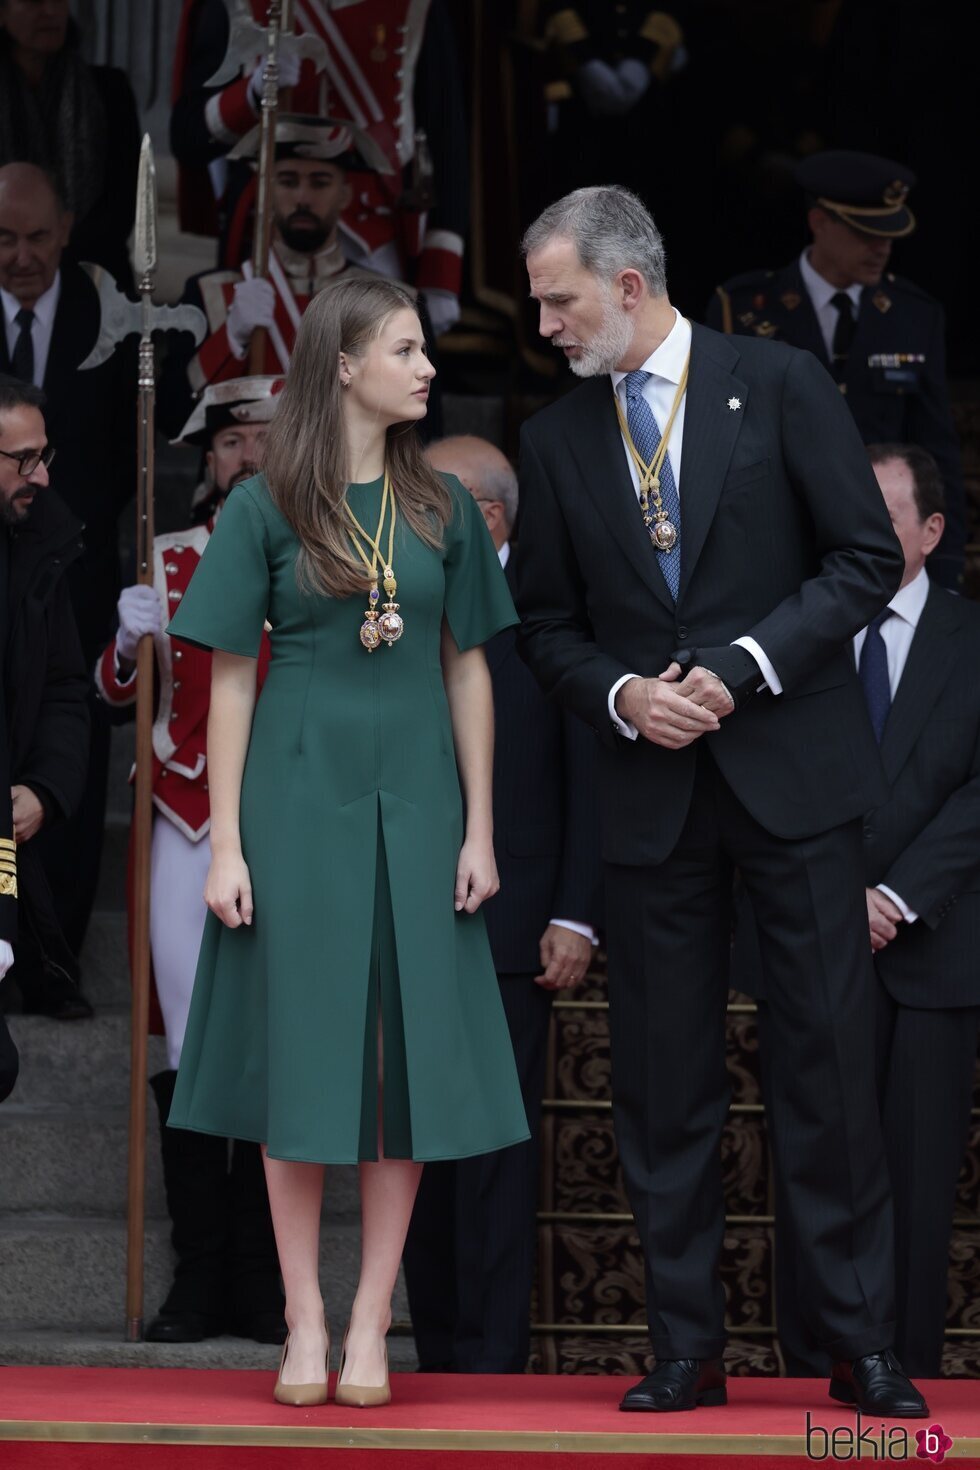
(49, 322)
(45, 689)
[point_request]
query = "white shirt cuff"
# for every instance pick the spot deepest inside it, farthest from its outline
(768, 672)
(586, 930)
(909, 915)
(623, 726)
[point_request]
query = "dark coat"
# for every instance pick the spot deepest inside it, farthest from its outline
(91, 421)
(46, 682)
(784, 538)
(903, 402)
(545, 817)
(923, 842)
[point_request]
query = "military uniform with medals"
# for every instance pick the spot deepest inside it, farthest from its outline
(893, 371)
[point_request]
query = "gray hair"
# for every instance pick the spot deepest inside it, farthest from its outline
(612, 230)
(498, 482)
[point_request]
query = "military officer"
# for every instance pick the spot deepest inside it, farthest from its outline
(227, 1276)
(880, 335)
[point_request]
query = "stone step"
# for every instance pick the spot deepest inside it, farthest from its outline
(89, 1349)
(74, 1162)
(82, 1064)
(105, 959)
(70, 1275)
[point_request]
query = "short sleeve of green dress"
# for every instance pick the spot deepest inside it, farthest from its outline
(478, 600)
(351, 824)
(226, 603)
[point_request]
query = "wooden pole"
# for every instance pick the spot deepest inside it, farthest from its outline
(142, 829)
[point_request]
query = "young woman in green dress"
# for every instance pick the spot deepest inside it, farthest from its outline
(345, 1007)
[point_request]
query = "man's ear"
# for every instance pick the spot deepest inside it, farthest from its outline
(933, 532)
(633, 287)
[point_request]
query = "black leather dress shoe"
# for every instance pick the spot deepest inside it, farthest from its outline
(183, 1327)
(679, 1383)
(264, 1326)
(877, 1384)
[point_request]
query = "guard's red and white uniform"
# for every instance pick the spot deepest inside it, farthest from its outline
(373, 50)
(294, 277)
(180, 851)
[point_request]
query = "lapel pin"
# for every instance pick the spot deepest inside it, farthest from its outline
(734, 404)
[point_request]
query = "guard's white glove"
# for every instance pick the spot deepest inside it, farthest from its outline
(289, 69)
(140, 613)
(611, 91)
(601, 88)
(6, 957)
(634, 80)
(443, 309)
(254, 306)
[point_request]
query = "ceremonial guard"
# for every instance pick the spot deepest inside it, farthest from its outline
(391, 70)
(227, 1275)
(881, 336)
(309, 190)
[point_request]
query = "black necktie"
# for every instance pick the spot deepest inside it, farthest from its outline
(873, 673)
(22, 360)
(843, 333)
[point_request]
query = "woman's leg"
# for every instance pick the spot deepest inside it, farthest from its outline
(388, 1190)
(295, 1196)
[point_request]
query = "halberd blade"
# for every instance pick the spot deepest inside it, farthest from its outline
(145, 236)
(120, 317)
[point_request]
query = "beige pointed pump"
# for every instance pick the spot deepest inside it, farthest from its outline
(353, 1395)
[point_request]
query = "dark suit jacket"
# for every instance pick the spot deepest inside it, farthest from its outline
(897, 402)
(545, 817)
(785, 537)
(90, 418)
(923, 841)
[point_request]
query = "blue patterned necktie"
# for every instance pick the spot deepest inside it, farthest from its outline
(646, 436)
(873, 673)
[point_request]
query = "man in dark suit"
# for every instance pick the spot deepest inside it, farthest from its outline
(922, 871)
(760, 544)
(881, 336)
(469, 1257)
(51, 321)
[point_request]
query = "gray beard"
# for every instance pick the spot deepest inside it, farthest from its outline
(608, 347)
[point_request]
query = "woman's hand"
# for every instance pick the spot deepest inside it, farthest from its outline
(228, 891)
(476, 876)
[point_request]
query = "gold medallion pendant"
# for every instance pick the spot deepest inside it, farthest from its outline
(663, 533)
(386, 626)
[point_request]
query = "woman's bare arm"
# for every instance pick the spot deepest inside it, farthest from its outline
(228, 892)
(470, 695)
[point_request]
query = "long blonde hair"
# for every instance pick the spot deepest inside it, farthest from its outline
(305, 456)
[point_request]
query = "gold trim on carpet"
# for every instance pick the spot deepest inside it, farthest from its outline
(330, 1437)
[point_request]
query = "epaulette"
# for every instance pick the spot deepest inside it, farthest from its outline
(901, 285)
(748, 281)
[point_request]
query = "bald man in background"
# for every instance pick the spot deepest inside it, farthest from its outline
(469, 1258)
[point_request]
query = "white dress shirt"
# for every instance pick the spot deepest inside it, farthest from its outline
(666, 366)
(897, 633)
(821, 293)
(44, 309)
(503, 552)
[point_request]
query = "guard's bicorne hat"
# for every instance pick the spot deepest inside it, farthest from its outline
(866, 192)
(236, 401)
(325, 139)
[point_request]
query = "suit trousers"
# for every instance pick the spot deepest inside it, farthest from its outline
(924, 1063)
(469, 1256)
(669, 934)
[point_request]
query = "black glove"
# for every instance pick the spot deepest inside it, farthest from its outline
(734, 666)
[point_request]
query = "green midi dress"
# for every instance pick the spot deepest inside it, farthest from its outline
(351, 825)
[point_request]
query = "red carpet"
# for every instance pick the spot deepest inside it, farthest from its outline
(118, 1418)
